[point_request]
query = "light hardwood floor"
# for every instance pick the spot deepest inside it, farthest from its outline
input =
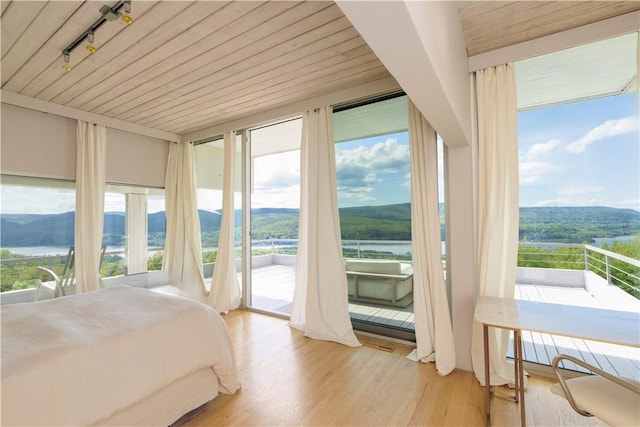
(290, 380)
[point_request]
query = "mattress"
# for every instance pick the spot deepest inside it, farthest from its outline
(168, 404)
(81, 359)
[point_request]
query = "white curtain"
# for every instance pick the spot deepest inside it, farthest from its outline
(497, 209)
(136, 232)
(183, 252)
(434, 334)
(225, 288)
(91, 166)
(320, 302)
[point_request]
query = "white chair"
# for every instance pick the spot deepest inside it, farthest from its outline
(612, 399)
(51, 285)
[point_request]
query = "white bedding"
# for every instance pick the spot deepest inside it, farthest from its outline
(80, 359)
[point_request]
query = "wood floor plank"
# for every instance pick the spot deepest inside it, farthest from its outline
(290, 380)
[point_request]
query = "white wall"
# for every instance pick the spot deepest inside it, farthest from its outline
(438, 26)
(460, 248)
(422, 46)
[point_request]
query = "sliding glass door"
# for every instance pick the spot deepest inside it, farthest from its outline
(275, 202)
(374, 197)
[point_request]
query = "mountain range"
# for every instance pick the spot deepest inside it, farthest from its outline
(391, 222)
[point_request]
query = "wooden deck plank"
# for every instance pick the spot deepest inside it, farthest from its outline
(586, 353)
(275, 282)
(619, 360)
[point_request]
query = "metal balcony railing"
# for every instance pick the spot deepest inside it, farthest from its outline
(619, 270)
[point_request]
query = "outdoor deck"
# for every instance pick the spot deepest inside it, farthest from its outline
(273, 291)
(542, 348)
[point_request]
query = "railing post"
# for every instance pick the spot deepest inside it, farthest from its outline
(607, 261)
(358, 248)
(586, 258)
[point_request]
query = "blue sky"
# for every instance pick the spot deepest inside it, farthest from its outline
(581, 154)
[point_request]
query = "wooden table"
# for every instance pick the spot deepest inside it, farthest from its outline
(609, 326)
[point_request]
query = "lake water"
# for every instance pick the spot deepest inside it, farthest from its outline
(394, 248)
(52, 250)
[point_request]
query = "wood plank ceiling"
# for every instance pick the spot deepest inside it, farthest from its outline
(490, 25)
(186, 65)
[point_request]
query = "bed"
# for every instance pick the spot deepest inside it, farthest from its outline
(117, 356)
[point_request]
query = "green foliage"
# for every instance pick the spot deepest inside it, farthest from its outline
(209, 257)
(359, 228)
(565, 258)
(623, 275)
(576, 224)
(25, 274)
(154, 262)
(274, 225)
(371, 254)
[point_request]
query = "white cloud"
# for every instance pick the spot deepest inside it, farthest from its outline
(114, 202)
(606, 130)
(579, 191)
(532, 172)
(357, 169)
(387, 156)
(38, 200)
(564, 202)
(627, 204)
(276, 180)
(544, 147)
(276, 197)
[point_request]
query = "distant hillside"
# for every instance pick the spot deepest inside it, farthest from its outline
(391, 222)
(576, 224)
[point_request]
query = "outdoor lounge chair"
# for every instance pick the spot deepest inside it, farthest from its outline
(612, 399)
(51, 285)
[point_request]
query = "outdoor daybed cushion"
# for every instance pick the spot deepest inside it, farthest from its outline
(384, 281)
(85, 358)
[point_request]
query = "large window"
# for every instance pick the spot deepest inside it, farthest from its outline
(38, 222)
(37, 229)
(275, 202)
(579, 150)
(209, 157)
(134, 230)
(374, 198)
(209, 168)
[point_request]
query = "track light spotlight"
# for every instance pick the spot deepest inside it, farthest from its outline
(90, 47)
(122, 9)
(67, 58)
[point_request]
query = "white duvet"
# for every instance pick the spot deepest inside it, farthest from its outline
(77, 360)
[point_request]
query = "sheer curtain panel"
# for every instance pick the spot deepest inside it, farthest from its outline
(91, 166)
(320, 302)
(434, 334)
(183, 251)
(136, 233)
(225, 288)
(497, 208)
